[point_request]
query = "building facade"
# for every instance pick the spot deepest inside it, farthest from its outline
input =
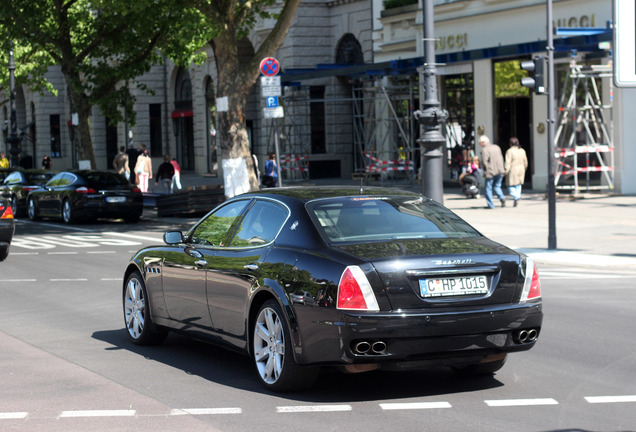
(350, 76)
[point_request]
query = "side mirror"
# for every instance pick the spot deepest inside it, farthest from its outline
(173, 237)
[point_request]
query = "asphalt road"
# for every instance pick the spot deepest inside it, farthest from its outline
(66, 364)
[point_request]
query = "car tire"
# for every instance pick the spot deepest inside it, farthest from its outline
(481, 369)
(32, 210)
(272, 352)
(15, 206)
(4, 253)
(68, 215)
(141, 330)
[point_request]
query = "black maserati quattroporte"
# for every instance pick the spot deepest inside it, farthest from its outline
(360, 278)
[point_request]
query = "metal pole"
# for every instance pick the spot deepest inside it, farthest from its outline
(280, 178)
(552, 239)
(13, 139)
(431, 117)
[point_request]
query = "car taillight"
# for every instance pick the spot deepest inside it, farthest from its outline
(7, 213)
(84, 189)
(532, 284)
(136, 189)
(355, 292)
(28, 188)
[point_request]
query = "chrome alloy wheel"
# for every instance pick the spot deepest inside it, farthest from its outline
(269, 345)
(67, 212)
(134, 308)
(31, 210)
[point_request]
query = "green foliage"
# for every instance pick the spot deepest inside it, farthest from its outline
(31, 65)
(508, 76)
(102, 44)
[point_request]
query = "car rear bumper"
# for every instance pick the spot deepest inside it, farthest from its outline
(416, 337)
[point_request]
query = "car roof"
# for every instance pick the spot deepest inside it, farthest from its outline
(309, 193)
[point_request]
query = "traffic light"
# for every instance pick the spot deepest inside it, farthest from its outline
(535, 81)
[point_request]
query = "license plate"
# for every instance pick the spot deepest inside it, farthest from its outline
(457, 286)
(116, 199)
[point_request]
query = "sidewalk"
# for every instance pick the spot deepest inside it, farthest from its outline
(598, 230)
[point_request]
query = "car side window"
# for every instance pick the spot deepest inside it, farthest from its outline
(213, 230)
(56, 180)
(260, 225)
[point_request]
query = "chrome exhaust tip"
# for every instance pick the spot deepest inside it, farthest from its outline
(378, 347)
(362, 347)
(532, 335)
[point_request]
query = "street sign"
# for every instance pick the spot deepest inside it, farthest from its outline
(270, 81)
(270, 66)
(272, 101)
(270, 86)
(624, 43)
(271, 113)
(271, 91)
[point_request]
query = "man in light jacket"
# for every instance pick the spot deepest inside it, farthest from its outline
(492, 165)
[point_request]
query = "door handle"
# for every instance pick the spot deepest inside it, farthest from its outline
(201, 263)
(251, 267)
(194, 253)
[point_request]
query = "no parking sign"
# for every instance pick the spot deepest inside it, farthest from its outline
(270, 66)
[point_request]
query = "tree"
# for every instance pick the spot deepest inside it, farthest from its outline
(100, 46)
(231, 21)
(31, 65)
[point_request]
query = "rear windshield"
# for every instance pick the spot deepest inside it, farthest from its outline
(37, 177)
(354, 219)
(105, 179)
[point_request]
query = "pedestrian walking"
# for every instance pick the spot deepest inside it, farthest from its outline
(133, 154)
(492, 165)
(143, 170)
(270, 178)
(516, 164)
(120, 163)
(47, 163)
(165, 173)
(176, 178)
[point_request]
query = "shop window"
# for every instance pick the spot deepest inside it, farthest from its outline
(317, 114)
(56, 141)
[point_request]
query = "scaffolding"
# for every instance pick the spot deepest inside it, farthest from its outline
(584, 150)
(384, 128)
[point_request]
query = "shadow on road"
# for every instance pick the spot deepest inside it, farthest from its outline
(232, 369)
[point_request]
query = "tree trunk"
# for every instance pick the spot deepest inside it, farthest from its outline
(231, 127)
(82, 136)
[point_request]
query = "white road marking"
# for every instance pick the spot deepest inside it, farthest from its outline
(13, 415)
(520, 402)
(68, 280)
(205, 411)
(62, 253)
(610, 399)
(111, 279)
(133, 236)
(98, 413)
(24, 253)
(18, 280)
(415, 406)
(312, 408)
(101, 252)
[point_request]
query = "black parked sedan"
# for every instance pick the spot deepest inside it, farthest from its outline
(7, 228)
(17, 185)
(85, 195)
(360, 278)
